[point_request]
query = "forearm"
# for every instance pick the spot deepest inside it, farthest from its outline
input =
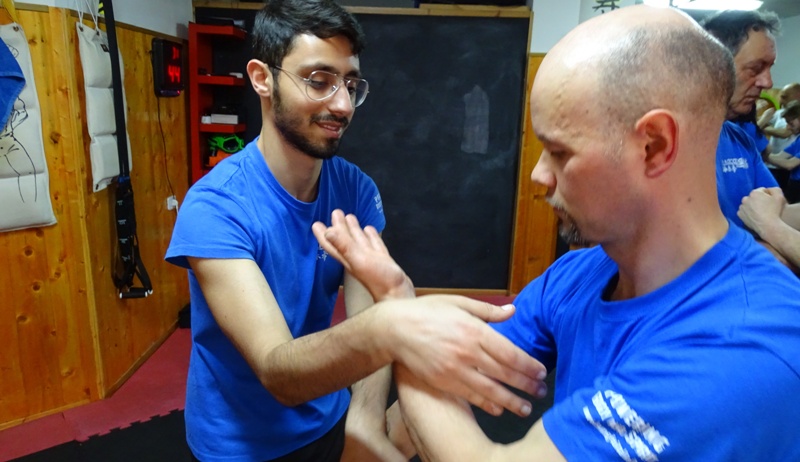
(323, 362)
(370, 395)
(442, 427)
(783, 161)
(785, 240)
(779, 132)
(791, 215)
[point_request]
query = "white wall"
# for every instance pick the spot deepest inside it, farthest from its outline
(552, 19)
(170, 17)
(787, 68)
(588, 11)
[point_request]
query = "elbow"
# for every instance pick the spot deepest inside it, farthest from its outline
(282, 392)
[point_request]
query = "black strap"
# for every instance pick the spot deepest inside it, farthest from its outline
(130, 263)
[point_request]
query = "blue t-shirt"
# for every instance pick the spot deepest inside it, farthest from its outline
(794, 149)
(239, 210)
(755, 134)
(740, 170)
(705, 368)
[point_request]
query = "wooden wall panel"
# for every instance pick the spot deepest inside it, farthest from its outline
(535, 223)
(129, 330)
(67, 337)
(49, 359)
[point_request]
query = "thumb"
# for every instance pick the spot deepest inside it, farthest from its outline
(489, 312)
(500, 313)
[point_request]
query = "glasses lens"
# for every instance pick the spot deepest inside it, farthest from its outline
(320, 85)
(358, 89)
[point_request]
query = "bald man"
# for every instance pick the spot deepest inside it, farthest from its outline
(676, 337)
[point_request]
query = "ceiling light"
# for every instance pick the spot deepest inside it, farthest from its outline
(708, 4)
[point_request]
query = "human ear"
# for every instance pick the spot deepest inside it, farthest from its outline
(659, 130)
(260, 77)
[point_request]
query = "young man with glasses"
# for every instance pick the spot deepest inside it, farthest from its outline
(268, 374)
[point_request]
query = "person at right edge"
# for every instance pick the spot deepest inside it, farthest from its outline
(676, 336)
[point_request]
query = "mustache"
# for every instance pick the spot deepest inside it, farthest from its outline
(331, 118)
(556, 205)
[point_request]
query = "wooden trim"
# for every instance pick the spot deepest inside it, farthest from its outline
(126, 26)
(465, 292)
(31, 7)
(425, 9)
(535, 224)
(138, 363)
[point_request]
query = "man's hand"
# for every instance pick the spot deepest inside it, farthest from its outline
(364, 255)
(445, 341)
(761, 211)
(442, 339)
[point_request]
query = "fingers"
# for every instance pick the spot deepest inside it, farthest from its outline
(492, 397)
(775, 192)
(375, 239)
(356, 234)
(481, 310)
(328, 238)
(507, 363)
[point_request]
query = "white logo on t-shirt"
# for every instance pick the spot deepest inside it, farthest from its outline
(322, 254)
(731, 165)
(619, 422)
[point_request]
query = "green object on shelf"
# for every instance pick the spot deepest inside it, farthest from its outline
(226, 143)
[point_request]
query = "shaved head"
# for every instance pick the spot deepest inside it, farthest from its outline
(641, 58)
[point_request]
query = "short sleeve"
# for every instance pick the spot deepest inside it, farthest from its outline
(210, 225)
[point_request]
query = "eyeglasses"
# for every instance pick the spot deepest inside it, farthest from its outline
(321, 85)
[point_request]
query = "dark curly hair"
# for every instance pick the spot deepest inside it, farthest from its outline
(280, 21)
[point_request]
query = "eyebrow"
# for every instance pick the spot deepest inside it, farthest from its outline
(328, 68)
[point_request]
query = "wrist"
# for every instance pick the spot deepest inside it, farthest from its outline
(772, 231)
(403, 290)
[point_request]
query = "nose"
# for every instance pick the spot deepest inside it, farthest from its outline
(340, 103)
(764, 79)
(542, 174)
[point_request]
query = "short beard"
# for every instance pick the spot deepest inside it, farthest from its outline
(568, 230)
(287, 125)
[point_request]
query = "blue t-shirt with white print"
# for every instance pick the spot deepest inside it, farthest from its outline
(740, 170)
(240, 211)
(705, 368)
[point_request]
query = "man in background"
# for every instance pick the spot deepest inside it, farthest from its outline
(750, 37)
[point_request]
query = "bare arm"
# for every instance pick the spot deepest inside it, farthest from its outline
(443, 338)
(766, 118)
(791, 215)
(762, 212)
(444, 429)
(785, 132)
(366, 436)
(467, 363)
(784, 160)
(293, 370)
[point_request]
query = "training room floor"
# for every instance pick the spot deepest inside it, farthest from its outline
(156, 390)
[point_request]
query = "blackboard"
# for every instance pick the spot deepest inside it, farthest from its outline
(440, 134)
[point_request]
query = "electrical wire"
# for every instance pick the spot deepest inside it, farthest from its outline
(164, 144)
